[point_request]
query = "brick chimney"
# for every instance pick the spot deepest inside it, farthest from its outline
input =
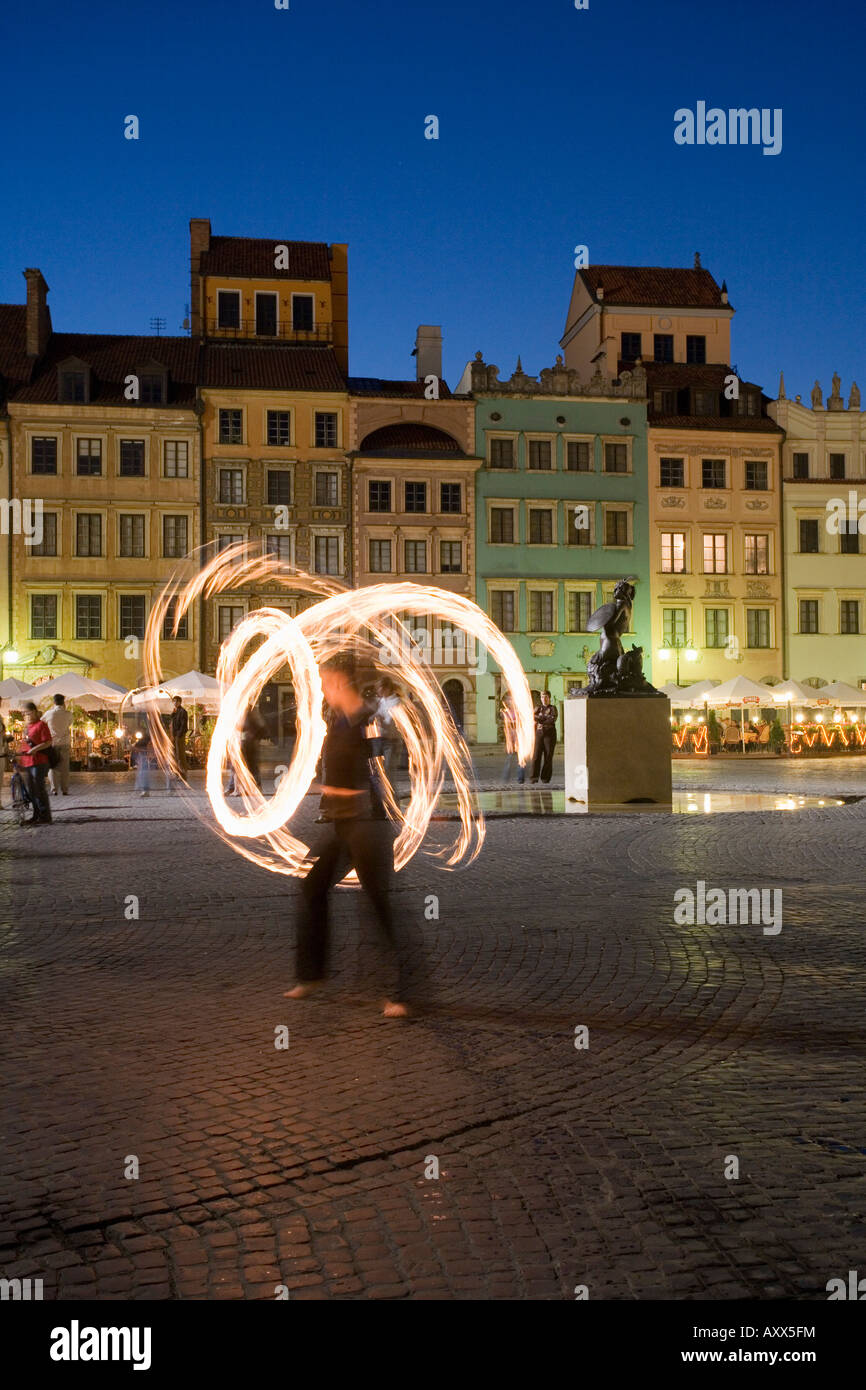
(428, 351)
(199, 242)
(38, 313)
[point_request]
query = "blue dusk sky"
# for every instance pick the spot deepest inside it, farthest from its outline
(556, 129)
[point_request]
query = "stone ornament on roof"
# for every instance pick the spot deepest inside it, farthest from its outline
(557, 380)
(817, 397)
(834, 400)
(854, 398)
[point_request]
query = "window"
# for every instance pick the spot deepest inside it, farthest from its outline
(131, 536)
(132, 458)
(133, 616)
(616, 458)
(279, 425)
(279, 487)
(379, 497)
(229, 308)
(43, 616)
(696, 348)
(540, 457)
(280, 547)
(673, 552)
(663, 347)
(88, 617)
(168, 633)
(302, 313)
(712, 472)
(266, 315)
(174, 536)
(630, 346)
(416, 497)
(577, 456)
(616, 528)
(837, 466)
(326, 555)
(849, 543)
(152, 388)
(674, 626)
(715, 554)
(582, 534)
(73, 387)
(757, 627)
(716, 627)
(808, 615)
(450, 497)
(756, 475)
(327, 489)
(48, 543)
(706, 403)
(232, 484)
(665, 401)
(451, 557)
(672, 473)
(801, 465)
(88, 534)
(541, 610)
(757, 554)
(415, 557)
(502, 453)
(88, 462)
(502, 525)
(43, 456)
(225, 541)
(748, 403)
(541, 526)
(502, 608)
(380, 557)
(231, 427)
(809, 537)
(579, 610)
(326, 429)
(849, 616)
(175, 458)
(228, 617)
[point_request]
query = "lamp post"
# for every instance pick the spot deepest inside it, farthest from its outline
(671, 644)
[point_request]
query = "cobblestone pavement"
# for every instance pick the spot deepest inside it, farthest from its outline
(558, 1165)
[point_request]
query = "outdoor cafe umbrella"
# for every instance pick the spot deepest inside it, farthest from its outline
(13, 690)
(838, 693)
(791, 693)
(736, 693)
(81, 689)
(196, 686)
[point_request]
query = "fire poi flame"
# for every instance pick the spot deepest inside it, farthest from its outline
(363, 621)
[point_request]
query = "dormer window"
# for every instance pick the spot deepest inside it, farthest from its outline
(747, 403)
(73, 382)
(152, 383)
(705, 403)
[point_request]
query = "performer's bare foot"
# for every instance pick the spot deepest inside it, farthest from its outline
(392, 1010)
(302, 990)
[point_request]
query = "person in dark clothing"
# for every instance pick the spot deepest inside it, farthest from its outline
(358, 834)
(545, 738)
(33, 758)
(178, 726)
(252, 732)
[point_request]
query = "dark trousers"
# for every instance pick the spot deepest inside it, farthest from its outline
(36, 785)
(542, 758)
(368, 846)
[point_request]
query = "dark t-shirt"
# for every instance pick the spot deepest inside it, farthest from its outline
(346, 755)
(179, 723)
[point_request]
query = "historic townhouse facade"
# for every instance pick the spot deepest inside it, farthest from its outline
(19, 331)
(413, 470)
(104, 436)
(714, 467)
(561, 515)
(824, 523)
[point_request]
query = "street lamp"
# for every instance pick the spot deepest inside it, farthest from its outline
(671, 644)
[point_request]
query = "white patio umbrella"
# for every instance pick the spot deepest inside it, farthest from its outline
(12, 689)
(672, 690)
(792, 693)
(695, 694)
(838, 693)
(80, 689)
(112, 685)
(736, 694)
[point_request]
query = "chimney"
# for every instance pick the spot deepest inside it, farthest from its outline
(724, 294)
(428, 351)
(698, 260)
(199, 242)
(38, 313)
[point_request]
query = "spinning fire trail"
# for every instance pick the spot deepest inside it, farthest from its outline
(362, 622)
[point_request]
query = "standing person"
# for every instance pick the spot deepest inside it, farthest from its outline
(253, 731)
(509, 725)
(178, 725)
(359, 834)
(142, 754)
(389, 700)
(59, 721)
(545, 738)
(34, 763)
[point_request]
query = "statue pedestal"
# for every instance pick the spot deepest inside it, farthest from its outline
(617, 751)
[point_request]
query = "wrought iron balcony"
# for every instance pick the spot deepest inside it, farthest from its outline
(247, 329)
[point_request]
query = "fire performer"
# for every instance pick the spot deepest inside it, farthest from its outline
(358, 834)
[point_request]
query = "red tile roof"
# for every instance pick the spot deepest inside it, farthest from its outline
(15, 365)
(681, 375)
(111, 359)
(273, 368)
(254, 257)
(381, 386)
(653, 286)
(740, 424)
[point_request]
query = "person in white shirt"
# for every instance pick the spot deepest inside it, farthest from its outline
(59, 721)
(388, 701)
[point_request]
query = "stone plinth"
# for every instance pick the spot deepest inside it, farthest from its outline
(617, 751)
